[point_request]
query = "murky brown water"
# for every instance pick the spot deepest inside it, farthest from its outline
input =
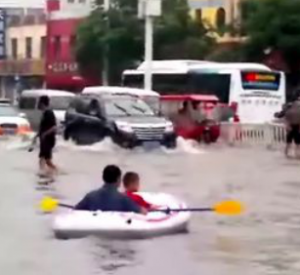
(265, 240)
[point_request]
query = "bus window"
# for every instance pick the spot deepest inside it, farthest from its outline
(134, 80)
(211, 84)
(164, 83)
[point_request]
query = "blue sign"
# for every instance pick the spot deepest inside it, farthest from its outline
(2, 33)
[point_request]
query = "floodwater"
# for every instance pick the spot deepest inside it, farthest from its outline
(265, 240)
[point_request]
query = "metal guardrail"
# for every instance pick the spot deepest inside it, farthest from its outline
(272, 135)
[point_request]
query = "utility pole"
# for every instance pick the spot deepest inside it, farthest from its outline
(105, 68)
(148, 10)
(148, 52)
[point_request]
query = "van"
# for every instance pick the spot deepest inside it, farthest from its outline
(59, 102)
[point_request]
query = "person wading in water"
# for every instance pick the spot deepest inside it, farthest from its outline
(292, 119)
(47, 136)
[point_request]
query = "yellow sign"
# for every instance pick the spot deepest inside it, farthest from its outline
(265, 77)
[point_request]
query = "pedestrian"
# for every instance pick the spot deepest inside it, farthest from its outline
(47, 137)
(292, 120)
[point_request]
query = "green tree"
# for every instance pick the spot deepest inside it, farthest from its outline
(273, 25)
(116, 34)
(119, 34)
(177, 35)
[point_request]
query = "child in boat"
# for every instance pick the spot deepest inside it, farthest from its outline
(131, 181)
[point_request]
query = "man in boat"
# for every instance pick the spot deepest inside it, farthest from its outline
(108, 198)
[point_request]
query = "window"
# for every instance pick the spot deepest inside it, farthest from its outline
(14, 20)
(28, 47)
(27, 103)
(43, 47)
(60, 102)
(81, 1)
(220, 18)
(14, 48)
(71, 1)
(8, 111)
(199, 15)
(29, 20)
(57, 46)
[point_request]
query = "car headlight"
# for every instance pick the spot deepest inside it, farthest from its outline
(169, 128)
(124, 127)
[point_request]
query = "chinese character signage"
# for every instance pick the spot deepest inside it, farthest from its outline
(2, 33)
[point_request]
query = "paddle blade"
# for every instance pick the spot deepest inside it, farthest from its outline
(229, 208)
(48, 204)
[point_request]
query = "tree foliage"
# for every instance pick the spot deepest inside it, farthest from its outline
(119, 35)
(115, 34)
(273, 25)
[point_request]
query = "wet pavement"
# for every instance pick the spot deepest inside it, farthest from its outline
(265, 240)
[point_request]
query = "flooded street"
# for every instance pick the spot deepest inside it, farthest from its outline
(265, 240)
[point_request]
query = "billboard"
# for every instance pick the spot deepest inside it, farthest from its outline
(2, 33)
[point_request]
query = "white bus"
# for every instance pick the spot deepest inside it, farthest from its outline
(258, 91)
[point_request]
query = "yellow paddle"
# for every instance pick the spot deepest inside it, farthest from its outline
(49, 204)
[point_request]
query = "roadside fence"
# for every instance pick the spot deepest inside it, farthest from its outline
(271, 136)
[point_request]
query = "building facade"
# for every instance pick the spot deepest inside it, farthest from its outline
(64, 17)
(217, 14)
(22, 36)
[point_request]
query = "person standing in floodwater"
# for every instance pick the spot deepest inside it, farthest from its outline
(292, 120)
(47, 136)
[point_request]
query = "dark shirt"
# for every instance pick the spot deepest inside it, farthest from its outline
(107, 198)
(48, 121)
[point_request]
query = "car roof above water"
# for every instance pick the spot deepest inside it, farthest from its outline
(100, 90)
(48, 92)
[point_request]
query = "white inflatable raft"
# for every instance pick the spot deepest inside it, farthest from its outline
(77, 224)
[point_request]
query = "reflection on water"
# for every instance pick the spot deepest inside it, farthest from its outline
(110, 255)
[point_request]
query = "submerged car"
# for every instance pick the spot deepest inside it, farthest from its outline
(127, 119)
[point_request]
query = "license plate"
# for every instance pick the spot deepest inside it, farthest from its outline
(9, 131)
(149, 145)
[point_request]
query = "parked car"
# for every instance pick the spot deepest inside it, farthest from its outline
(59, 101)
(127, 119)
(12, 122)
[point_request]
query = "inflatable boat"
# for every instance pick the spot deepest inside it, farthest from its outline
(121, 225)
